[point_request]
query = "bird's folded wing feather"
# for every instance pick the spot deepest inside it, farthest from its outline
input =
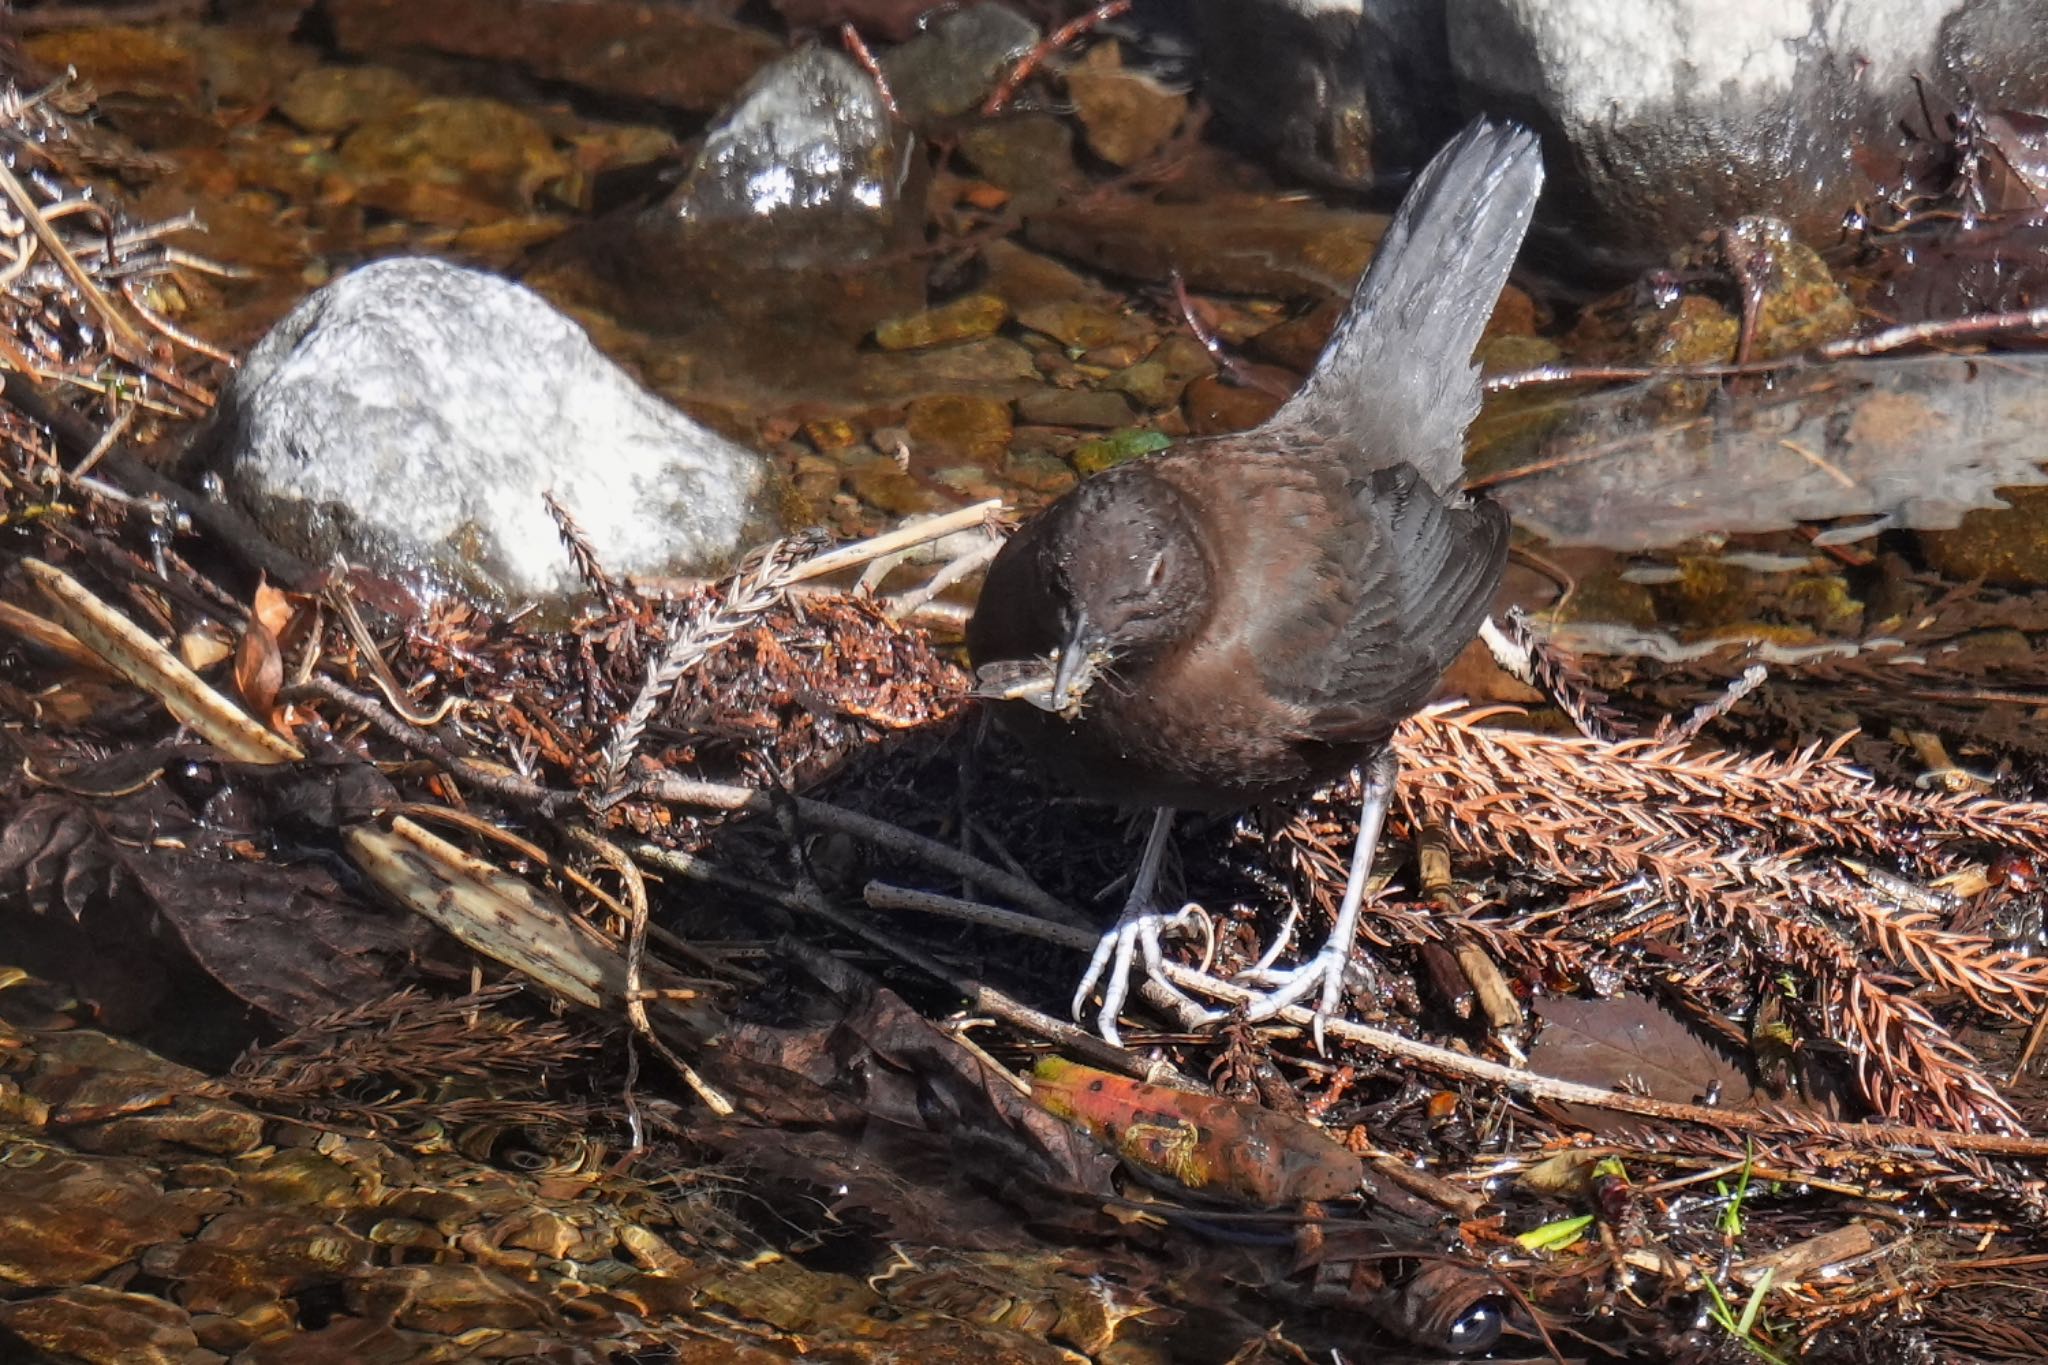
(1386, 608)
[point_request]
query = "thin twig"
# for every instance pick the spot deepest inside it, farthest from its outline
(911, 534)
(850, 38)
(589, 564)
(504, 785)
(906, 604)
(1463, 1066)
(1053, 42)
(980, 996)
(1707, 712)
(880, 833)
(615, 858)
(1853, 348)
(81, 279)
(526, 848)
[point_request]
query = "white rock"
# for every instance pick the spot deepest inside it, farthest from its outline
(412, 414)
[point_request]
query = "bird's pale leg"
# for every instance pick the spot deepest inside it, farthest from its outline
(1326, 968)
(1137, 929)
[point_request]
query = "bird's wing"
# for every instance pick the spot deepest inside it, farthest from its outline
(1396, 381)
(1392, 601)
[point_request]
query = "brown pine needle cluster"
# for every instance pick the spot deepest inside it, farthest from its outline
(411, 1057)
(1748, 845)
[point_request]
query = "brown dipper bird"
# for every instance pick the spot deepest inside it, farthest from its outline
(1246, 617)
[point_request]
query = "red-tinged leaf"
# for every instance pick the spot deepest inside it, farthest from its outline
(1215, 1147)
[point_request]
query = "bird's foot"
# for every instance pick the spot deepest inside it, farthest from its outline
(1138, 932)
(1324, 972)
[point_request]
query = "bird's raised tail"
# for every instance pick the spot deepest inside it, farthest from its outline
(1397, 383)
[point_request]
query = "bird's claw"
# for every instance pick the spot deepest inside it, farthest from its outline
(1324, 972)
(1117, 953)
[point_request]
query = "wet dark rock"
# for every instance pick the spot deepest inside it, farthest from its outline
(1605, 597)
(144, 62)
(992, 365)
(413, 414)
(800, 212)
(880, 482)
(755, 379)
(1297, 342)
(973, 484)
(1038, 471)
(1798, 303)
(245, 70)
(676, 55)
(1694, 113)
(1030, 155)
(948, 428)
(1824, 602)
(1024, 278)
(74, 1220)
(451, 161)
(1160, 378)
(1332, 91)
(951, 67)
(104, 1327)
(1705, 591)
(247, 1257)
(1080, 325)
(1662, 121)
(1229, 244)
(1689, 330)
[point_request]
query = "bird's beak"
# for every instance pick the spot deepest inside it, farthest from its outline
(1071, 674)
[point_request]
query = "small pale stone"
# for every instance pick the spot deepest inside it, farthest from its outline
(1074, 408)
(881, 485)
(1126, 116)
(1077, 324)
(334, 99)
(831, 433)
(1039, 472)
(952, 426)
(964, 319)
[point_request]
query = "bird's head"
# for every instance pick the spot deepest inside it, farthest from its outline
(1127, 574)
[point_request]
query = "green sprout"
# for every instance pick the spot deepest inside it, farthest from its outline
(1744, 1327)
